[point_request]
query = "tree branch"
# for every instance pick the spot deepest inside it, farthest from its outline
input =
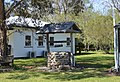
(116, 4)
(13, 6)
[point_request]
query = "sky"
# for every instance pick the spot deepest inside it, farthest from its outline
(101, 5)
(7, 0)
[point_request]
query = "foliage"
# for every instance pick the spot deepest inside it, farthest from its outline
(43, 9)
(69, 6)
(97, 30)
(116, 4)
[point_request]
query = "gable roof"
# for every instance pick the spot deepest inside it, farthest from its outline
(63, 27)
(19, 21)
(117, 25)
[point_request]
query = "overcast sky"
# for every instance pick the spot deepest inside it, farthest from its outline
(101, 5)
(7, 0)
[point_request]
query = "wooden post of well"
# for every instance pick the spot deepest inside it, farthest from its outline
(48, 50)
(47, 43)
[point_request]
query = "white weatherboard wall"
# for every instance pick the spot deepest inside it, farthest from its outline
(17, 42)
(62, 37)
(39, 49)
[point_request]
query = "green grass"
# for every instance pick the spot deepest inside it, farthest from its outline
(93, 69)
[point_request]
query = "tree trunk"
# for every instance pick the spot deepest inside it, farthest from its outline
(3, 31)
(88, 47)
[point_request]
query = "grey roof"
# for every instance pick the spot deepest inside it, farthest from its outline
(63, 27)
(19, 21)
(117, 25)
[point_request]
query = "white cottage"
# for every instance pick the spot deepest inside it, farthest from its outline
(29, 37)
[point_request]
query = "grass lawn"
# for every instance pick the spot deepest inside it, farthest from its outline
(94, 65)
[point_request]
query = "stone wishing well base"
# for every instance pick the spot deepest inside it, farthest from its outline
(60, 60)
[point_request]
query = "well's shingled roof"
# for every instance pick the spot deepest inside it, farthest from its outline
(63, 27)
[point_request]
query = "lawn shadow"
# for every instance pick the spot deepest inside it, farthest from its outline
(85, 53)
(25, 67)
(33, 61)
(95, 62)
(19, 76)
(23, 76)
(26, 64)
(19, 68)
(74, 75)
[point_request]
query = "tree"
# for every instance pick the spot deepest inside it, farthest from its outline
(97, 30)
(3, 40)
(61, 9)
(48, 10)
(116, 4)
(33, 8)
(3, 32)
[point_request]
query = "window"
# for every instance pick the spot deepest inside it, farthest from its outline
(27, 40)
(68, 41)
(51, 41)
(40, 40)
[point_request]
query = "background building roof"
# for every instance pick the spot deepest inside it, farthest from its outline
(20, 21)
